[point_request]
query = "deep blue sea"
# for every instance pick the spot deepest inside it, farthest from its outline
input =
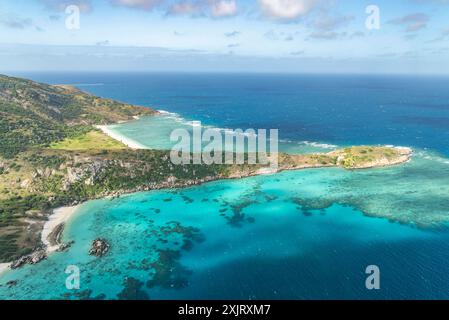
(335, 109)
(307, 234)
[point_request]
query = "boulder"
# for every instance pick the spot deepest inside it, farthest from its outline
(19, 262)
(99, 247)
(65, 246)
(37, 257)
(32, 258)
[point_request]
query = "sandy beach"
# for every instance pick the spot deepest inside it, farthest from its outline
(116, 136)
(60, 215)
(3, 267)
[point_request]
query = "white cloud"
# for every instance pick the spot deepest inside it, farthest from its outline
(286, 9)
(61, 5)
(223, 8)
(326, 22)
(205, 8)
(184, 8)
(139, 4)
(15, 22)
(412, 22)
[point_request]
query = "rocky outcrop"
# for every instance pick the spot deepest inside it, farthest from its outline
(19, 262)
(74, 175)
(99, 247)
(32, 258)
(37, 257)
(44, 173)
(65, 246)
(88, 171)
(54, 238)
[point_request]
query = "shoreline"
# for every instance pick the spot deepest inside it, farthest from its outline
(55, 221)
(4, 267)
(59, 216)
(132, 144)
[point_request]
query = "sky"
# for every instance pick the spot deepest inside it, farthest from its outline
(297, 36)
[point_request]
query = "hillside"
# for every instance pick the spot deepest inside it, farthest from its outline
(35, 114)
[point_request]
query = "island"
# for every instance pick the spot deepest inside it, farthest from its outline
(55, 153)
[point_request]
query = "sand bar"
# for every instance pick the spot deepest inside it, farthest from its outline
(4, 267)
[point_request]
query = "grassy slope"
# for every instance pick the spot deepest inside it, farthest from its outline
(88, 141)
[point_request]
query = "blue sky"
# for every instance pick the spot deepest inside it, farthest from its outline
(226, 35)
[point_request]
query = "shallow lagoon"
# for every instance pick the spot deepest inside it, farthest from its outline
(297, 234)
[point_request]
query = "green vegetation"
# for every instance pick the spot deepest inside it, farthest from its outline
(34, 114)
(92, 140)
(367, 156)
(57, 177)
(33, 180)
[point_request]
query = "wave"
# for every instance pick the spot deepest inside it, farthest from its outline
(232, 132)
(175, 116)
(167, 112)
(431, 156)
(314, 144)
(319, 145)
(194, 123)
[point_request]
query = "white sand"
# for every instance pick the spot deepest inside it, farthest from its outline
(266, 171)
(125, 140)
(60, 215)
(4, 267)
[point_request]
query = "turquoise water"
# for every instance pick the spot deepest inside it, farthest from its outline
(294, 235)
(154, 133)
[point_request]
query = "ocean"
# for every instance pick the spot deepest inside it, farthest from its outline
(307, 234)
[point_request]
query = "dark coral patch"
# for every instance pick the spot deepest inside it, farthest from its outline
(169, 273)
(238, 217)
(166, 270)
(187, 199)
(132, 290)
(83, 295)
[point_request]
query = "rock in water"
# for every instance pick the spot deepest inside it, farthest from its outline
(32, 258)
(19, 262)
(99, 248)
(65, 246)
(37, 257)
(54, 238)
